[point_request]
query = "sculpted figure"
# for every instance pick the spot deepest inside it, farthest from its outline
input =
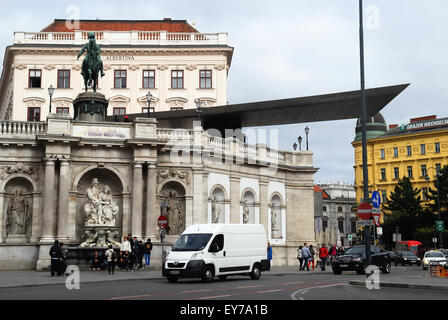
(216, 210)
(90, 240)
(101, 240)
(245, 212)
(108, 207)
(111, 238)
(274, 218)
(17, 213)
(175, 214)
(92, 63)
(93, 209)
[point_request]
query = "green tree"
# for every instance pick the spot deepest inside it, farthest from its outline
(443, 192)
(405, 211)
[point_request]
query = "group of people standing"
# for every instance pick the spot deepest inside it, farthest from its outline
(307, 256)
(129, 258)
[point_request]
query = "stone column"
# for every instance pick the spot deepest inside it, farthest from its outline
(264, 204)
(126, 226)
(197, 198)
(36, 228)
(63, 200)
(234, 199)
(152, 213)
(2, 217)
(204, 218)
(137, 200)
(48, 210)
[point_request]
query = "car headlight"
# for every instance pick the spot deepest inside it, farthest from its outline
(405, 258)
(425, 261)
(357, 259)
(197, 256)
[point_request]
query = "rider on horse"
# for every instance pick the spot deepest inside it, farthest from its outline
(92, 62)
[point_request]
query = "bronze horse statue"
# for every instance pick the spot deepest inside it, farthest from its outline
(92, 63)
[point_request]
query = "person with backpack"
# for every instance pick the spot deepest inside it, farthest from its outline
(147, 250)
(111, 257)
(333, 253)
(56, 256)
(323, 255)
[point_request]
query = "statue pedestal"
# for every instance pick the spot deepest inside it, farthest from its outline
(102, 238)
(90, 106)
(16, 239)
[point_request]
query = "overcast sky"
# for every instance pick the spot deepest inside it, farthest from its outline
(286, 49)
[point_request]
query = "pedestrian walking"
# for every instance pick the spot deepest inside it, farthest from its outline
(148, 249)
(269, 256)
(56, 255)
(300, 257)
(111, 258)
(306, 254)
(323, 255)
(333, 253)
(312, 259)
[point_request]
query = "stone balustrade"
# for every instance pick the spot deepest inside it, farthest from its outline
(122, 38)
(146, 129)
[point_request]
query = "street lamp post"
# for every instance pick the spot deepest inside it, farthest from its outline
(300, 143)
(50, 92)
(199, 110)
(438, 201)
(149, 97)
(295, 146)
(307, 130)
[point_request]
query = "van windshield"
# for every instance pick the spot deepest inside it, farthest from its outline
(192, 242)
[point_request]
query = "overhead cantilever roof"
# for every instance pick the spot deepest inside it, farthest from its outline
(335, 106)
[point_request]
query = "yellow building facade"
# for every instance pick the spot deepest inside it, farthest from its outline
(415, 150)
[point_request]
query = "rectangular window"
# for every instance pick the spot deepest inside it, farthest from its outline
(33, 114)
(341, 226)
(396, 173)
(145, 109)
(384, 196)
(438, 167)
(424, 194)
(324, 225)
(119, 111)
(422, 149)
(437, 147)
(149, 79)
(35, 79)
(409, 150)
(339, 209)
(177, 79)
(383, 174)
(382, 154)
(176, 108)
(62, 110)
(120, 79)
(423, 169)
(324, 209)
(352, 226)
(205, 79)
(63, 79)
(410, 172)
(395, 152)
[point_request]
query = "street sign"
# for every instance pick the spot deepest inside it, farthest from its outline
(440, 225)
(350, 237)
(376, 199)
(364, 223)
(376, 214)
(396, 237)
(379, 231)
(365, 211)
(162, 222)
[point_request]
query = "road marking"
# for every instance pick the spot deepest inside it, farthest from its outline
(194, 291)
(245, 287)
(213, 297)
(293, 282)
(131, 297)
(267, 291)
(306, 290)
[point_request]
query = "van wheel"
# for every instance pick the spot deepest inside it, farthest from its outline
(172, 279)
(208, 274)
(223, 277)
(256, 272)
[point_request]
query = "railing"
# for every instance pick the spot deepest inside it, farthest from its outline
(19, 128)
(122, 37)
(174, 135)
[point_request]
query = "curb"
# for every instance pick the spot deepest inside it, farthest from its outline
(401, 285)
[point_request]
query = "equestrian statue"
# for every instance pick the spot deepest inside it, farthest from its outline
(92, 63)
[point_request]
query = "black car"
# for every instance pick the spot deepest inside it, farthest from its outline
(392, 255)
(407, 257)
(354, 259)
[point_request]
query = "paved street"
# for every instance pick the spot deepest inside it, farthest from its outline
(276, 285)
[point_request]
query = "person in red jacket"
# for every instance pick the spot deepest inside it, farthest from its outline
(323, 255)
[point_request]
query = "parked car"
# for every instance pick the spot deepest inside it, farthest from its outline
(354, 259)
(392, 255)
(407, 257)
(434, 257)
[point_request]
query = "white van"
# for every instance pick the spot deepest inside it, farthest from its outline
(208, 250)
